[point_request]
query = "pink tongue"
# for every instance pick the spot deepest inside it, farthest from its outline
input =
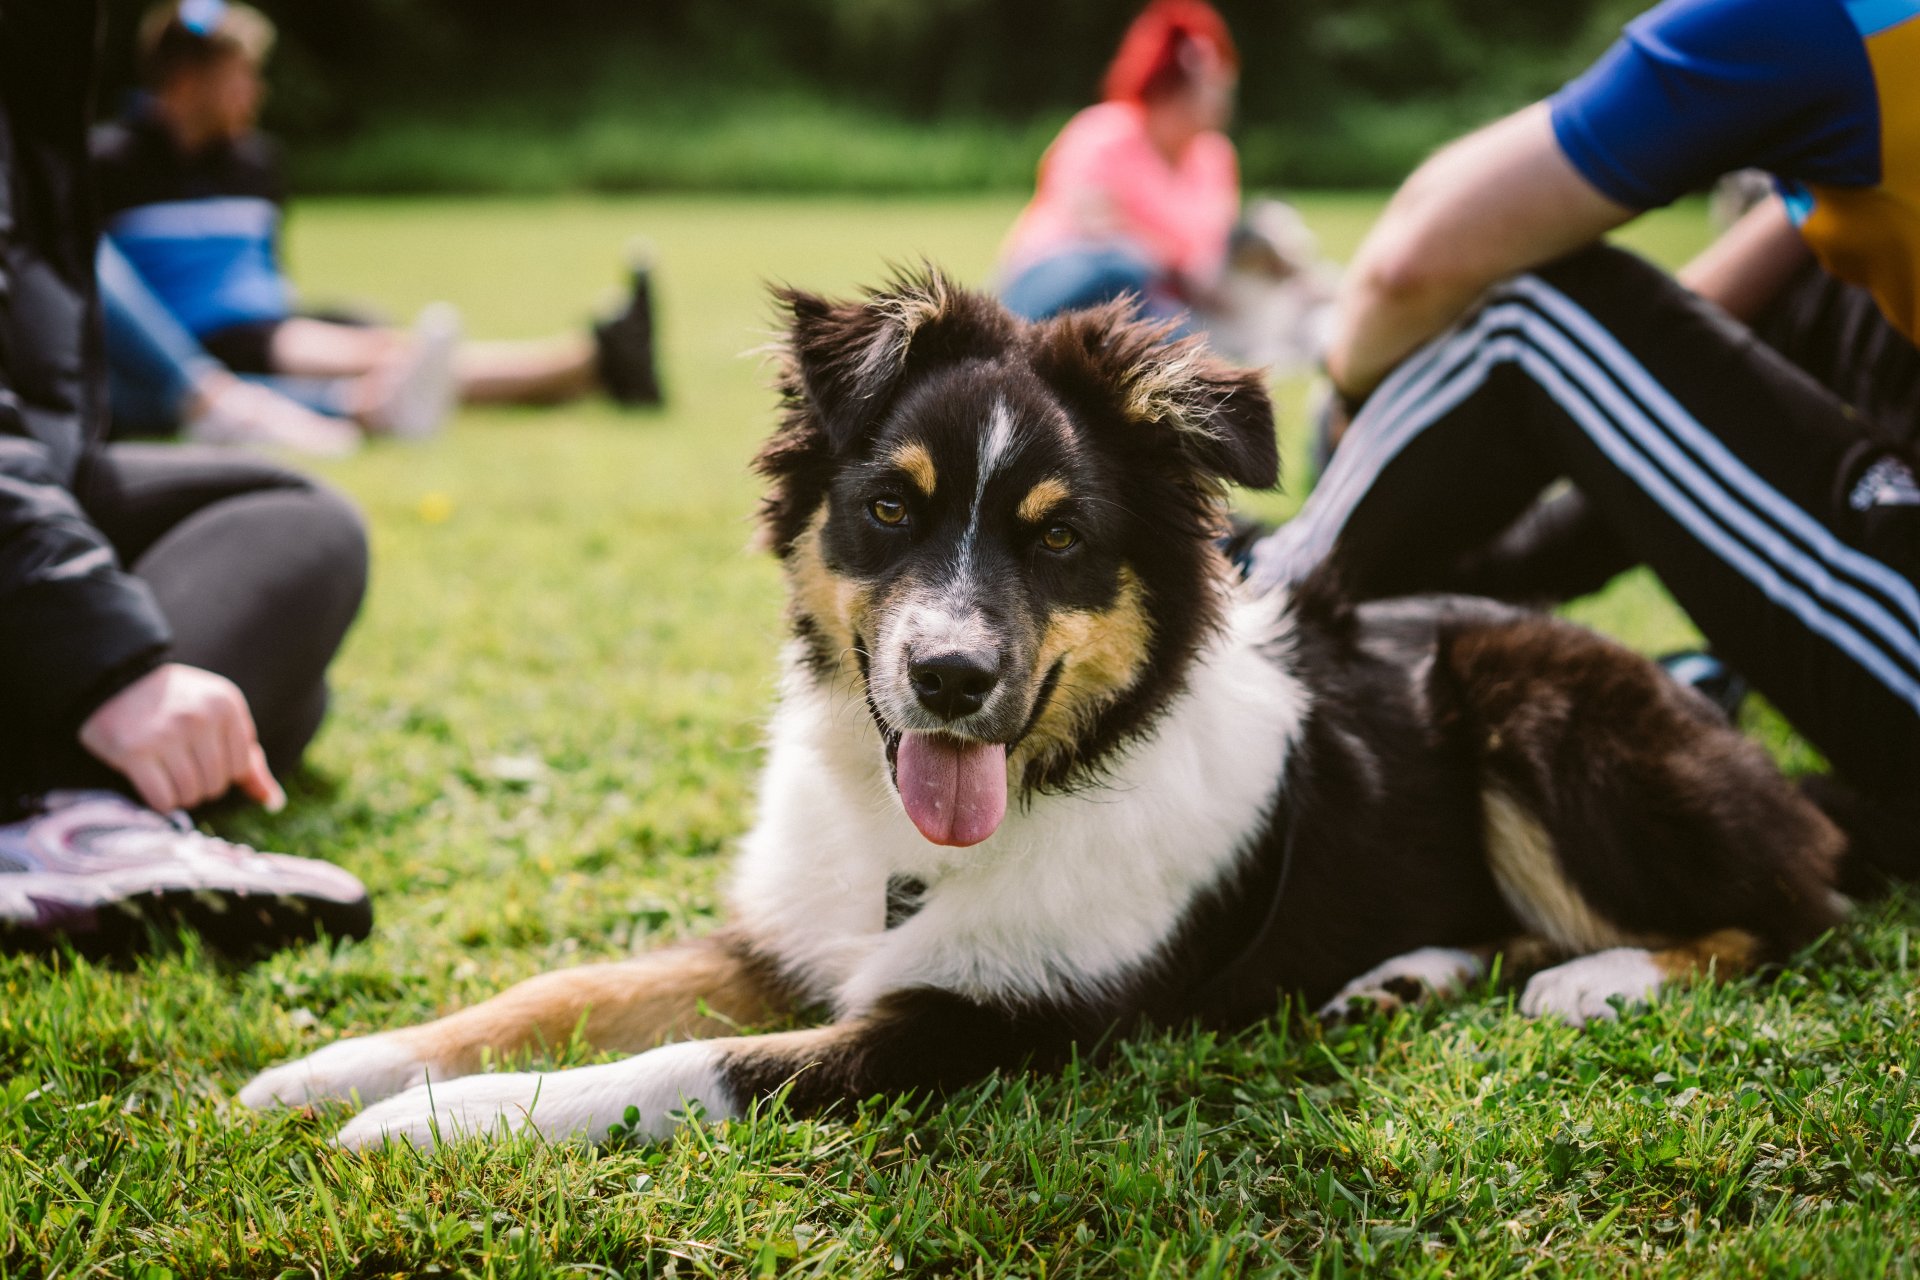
(955, 791)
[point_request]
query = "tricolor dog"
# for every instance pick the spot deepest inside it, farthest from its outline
(1042, 768)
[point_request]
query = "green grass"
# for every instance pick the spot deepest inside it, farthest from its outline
(545, 735)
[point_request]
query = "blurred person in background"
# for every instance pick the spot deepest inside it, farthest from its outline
(162, 382)
(192, 194)
(167, 614)
(1140, 195)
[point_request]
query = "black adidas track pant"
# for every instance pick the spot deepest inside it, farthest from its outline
(1787, 529)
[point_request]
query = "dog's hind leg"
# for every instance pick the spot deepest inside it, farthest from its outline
(1626, 823)
(701, 988)
(1598, 985)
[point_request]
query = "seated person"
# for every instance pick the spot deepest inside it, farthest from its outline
(167, 614)
(1489, 348)
(192, 195)
(161, 382)
(1140, 195)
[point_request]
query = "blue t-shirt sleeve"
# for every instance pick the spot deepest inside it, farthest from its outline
(1697, 88)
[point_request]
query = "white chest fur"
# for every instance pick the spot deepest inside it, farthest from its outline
(1072, 893)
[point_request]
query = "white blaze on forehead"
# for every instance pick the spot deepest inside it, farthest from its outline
(996, 443)
(996, 448)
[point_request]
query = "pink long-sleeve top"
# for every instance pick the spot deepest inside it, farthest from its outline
(1103, 183)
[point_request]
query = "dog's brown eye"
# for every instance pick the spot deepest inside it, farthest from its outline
(1058, 537)
(888, 511)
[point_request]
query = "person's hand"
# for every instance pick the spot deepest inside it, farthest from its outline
(182, 736)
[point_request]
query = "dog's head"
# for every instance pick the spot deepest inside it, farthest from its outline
(1004, 530)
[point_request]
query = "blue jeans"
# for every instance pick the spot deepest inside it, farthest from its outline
(1087, 277)
(154, 364)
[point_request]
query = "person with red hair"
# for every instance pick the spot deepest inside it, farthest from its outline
(1140, 192)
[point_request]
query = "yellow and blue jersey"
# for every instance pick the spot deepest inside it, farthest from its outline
(1823, 94)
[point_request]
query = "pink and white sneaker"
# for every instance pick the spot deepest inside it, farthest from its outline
(102, 872)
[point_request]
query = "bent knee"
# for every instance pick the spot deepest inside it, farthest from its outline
(333, 535)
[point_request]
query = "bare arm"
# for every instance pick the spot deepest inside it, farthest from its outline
(1495, 203)
(1744, 269)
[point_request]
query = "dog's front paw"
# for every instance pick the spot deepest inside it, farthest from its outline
(1584, 989)
(645, 1095)
(1404, 980)
(427, 1114)
(368, 1068)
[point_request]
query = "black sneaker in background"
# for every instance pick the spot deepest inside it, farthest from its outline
(624, 345)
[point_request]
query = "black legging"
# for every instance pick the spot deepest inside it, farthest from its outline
(258, 570)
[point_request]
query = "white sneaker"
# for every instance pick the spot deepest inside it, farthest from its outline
(421, 391)
(249, 415)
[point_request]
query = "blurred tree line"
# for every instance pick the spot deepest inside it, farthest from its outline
(1332, 91)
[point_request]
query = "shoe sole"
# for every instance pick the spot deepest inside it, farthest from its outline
(231, 922)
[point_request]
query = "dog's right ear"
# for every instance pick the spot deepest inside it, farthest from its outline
(840, 366)
(844, 360)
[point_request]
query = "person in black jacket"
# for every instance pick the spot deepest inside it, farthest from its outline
(166, 615)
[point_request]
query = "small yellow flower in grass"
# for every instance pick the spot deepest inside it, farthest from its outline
(435, 507)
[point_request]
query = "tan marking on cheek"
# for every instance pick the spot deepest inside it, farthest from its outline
(1042, 498)
(1101, 653)
(837, 606)
(913, 459)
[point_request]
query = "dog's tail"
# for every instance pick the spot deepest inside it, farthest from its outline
(1883, 839)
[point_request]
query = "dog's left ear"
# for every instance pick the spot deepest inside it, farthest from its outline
(845, 360)
(1218, 416)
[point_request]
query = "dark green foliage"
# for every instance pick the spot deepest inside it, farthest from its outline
(613, 95)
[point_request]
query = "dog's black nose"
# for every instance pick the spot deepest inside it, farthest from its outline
(952, 685)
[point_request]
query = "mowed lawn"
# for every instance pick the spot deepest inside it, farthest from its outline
(544, 738)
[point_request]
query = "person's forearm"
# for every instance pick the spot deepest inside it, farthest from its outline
(1493, 204)
(1746, 268)
(1381, 319)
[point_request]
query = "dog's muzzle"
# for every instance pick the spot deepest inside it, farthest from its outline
(939, 690)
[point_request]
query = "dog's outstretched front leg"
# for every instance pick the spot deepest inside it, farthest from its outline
(922, 1040)
(703, 987)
